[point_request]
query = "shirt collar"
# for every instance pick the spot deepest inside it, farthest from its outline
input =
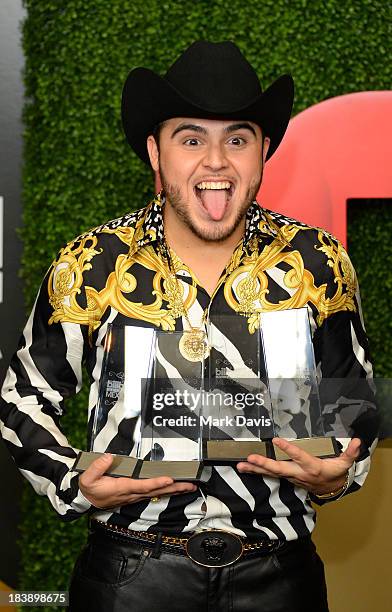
(258, 223)
(150, 229)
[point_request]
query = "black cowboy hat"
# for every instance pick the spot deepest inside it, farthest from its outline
(209, 80)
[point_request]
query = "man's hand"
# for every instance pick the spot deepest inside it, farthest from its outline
(312, 473)
(109, 492)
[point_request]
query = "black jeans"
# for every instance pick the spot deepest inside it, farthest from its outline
(115, 575)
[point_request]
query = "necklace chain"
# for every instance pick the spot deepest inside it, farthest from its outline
(165, 252)
(193, 344)
(166, 256)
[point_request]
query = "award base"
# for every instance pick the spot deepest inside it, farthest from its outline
(216, 452)
(321, 447)
(181, 471)
(229, 451)
(122, 465)
(221, 452)
(131, 467)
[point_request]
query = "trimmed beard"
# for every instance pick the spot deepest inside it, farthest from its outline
(217, 234)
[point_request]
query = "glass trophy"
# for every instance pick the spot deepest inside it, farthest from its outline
(148, 407)
(169, 435)
(260, 386)
(236, 418)
(292, 382)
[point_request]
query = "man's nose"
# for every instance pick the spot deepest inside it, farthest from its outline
(215, 157)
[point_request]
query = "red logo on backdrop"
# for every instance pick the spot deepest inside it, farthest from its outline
(338, 149)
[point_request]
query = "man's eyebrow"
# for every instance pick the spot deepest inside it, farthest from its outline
(189, 126)
(193, 127)
(234, 127)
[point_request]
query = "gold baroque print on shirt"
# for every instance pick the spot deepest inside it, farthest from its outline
(246, 280)
(246, 289)
(121, 282)
(344, 277)
(132, 236)
(66, 279)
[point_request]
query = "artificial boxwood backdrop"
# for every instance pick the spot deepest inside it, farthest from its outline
(79, 172)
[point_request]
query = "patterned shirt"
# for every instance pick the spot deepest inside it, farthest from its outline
(115, 273)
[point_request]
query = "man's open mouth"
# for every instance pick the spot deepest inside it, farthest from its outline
(214, 197)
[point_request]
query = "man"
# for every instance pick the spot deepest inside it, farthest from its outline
(208, 129)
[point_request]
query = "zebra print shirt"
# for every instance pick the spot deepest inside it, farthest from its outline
(115, 274)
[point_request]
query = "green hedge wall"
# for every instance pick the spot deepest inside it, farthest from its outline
(78, 170)
(369, 244)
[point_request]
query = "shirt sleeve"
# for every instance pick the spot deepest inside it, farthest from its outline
(45, 370)
(346, 389)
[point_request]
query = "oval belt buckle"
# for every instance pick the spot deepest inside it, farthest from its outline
(214, 548)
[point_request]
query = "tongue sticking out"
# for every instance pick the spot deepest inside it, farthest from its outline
(215, 202)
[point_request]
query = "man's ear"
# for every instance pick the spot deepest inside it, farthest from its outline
(266, 144)
(153, 152)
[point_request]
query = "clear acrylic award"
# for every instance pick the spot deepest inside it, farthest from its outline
(147, 414)
(169, 435)
(292, 382)
(260, 386)
(236, 417)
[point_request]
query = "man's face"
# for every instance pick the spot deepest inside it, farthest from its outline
(210, 170)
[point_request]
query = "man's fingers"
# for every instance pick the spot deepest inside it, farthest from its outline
(97, 469)
(352, 451)
(311, 473)
(269, 467)
(107, 492)
(306, 461)
(127, 485)
(255, 469)
(149, 485)
(301, 461)
(177, 487)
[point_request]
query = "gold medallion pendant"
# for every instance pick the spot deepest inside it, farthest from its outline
(193, 344)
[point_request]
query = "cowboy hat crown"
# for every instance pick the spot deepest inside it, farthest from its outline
(208, 81)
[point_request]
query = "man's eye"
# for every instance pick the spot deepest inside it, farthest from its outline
(191, 141)
(237, 140)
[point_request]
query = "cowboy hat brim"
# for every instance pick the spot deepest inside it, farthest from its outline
(148, 99)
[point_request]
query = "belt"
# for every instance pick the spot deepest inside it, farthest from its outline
(210, 547)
